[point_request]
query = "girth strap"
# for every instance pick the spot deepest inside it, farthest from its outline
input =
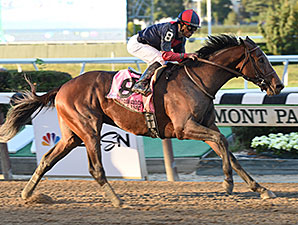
(152, 124)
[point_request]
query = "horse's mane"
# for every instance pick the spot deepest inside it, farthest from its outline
(216, 43)
(212, 45)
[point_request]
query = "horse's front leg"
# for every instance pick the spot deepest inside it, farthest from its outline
(193, 130)
(254, 186)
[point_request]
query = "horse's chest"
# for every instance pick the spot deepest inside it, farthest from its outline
(201, 111)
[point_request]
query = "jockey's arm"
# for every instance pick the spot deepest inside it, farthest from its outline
(172, 56)
(179, 48)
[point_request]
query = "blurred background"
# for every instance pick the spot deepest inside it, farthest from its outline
(99, 28)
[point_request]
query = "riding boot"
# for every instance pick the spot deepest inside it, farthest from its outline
(142, 85)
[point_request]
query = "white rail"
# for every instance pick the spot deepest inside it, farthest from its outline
(285, 59)
(83, 61)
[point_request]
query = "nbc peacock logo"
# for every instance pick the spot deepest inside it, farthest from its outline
(50, 139)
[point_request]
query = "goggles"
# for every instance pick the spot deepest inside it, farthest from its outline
(191, 28)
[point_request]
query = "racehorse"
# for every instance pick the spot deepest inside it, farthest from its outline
(183, 101)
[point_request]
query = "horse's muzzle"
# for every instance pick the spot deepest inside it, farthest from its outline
(274, 89)
(278, 88)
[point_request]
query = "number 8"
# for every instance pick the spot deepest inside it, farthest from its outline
(169, 36)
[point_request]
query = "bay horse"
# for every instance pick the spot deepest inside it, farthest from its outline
(183, 101)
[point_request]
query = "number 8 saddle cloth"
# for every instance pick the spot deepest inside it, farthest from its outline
(121, 92)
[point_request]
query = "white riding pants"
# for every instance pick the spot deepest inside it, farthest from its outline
(145, 52)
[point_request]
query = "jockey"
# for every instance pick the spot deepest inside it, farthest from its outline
(155, 43)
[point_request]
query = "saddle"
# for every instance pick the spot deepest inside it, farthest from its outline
(121, 93)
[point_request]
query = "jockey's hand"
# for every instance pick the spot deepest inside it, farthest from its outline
(192, 56)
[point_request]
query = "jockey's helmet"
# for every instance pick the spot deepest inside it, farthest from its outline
(190, 18)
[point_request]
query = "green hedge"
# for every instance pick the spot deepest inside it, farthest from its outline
(12, 80)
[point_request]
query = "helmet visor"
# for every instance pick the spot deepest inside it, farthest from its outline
(190, 24)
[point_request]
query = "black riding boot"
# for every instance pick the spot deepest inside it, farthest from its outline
(142, 85)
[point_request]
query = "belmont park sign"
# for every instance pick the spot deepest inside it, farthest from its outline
(260, 115)
(255, 108)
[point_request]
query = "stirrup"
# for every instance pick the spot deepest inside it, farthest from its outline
(140, 88)
(147, 92)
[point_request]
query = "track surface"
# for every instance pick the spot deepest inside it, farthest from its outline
(146, 202)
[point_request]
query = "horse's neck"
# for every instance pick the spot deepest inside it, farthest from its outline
(215, 77)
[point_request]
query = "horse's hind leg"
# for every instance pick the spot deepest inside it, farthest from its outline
(96, 169)
(254, 186)
(68, 141)
(89, 132)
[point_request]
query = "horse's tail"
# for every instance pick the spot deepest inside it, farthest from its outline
(22, 109)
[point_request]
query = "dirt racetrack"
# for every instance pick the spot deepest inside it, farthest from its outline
(146, 202)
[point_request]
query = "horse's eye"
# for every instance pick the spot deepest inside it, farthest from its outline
(261, 60)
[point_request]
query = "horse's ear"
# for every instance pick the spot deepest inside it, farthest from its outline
(249, 40)
(241, 41)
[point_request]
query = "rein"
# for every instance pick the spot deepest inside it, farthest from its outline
(201, 86)
(221, 66)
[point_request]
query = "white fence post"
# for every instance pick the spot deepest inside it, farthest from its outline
(169, 162)
(285, 76)
(5, 161)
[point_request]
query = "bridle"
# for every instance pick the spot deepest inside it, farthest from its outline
(259, 75)
(259, 78)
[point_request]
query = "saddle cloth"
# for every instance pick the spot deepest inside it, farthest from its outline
(121, 92)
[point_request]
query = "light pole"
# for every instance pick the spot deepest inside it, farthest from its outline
(209, 19)
(1, 29)
(199, 11)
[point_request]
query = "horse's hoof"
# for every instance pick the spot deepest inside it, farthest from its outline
(228, 186)
(124, 206)
(268, 194)
(25, 195)
(109, 193)
(117, 203)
